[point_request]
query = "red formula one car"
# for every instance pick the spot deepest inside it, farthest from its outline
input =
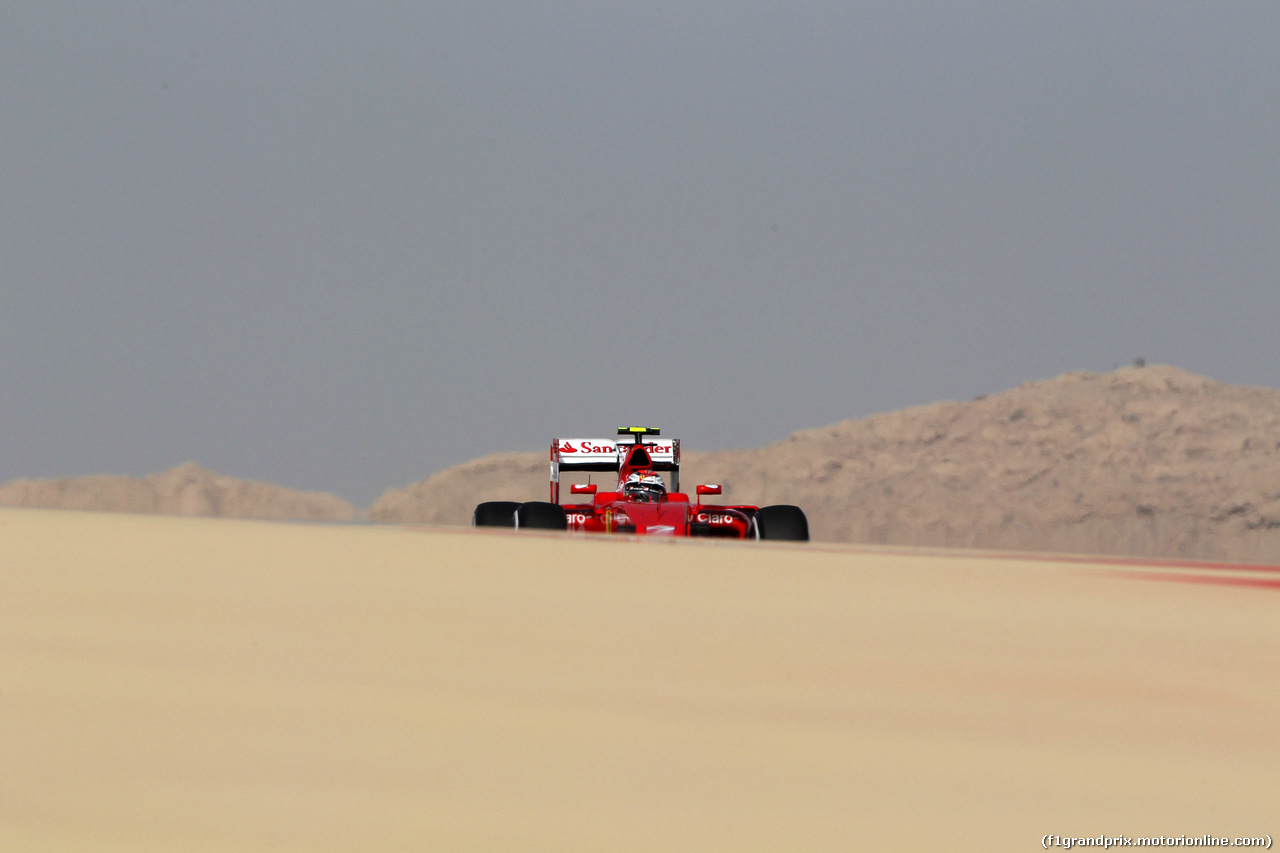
(640, 502)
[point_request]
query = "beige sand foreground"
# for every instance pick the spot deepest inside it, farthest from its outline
(197, 684)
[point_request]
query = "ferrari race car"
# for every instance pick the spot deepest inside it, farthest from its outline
(640, 502)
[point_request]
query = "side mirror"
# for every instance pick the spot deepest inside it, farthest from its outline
(584, 489)
(711, 489)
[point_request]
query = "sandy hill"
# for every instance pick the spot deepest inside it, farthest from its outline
(1148, 461)
(184, 490)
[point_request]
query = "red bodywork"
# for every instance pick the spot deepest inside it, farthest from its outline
(617, 512)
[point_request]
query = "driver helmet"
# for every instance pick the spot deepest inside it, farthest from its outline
(646, 488)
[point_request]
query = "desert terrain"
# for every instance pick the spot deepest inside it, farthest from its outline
(187, 489)
(182, 683)
(1151, 461)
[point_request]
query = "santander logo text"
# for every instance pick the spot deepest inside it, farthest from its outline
(587, 447)
(609, 448)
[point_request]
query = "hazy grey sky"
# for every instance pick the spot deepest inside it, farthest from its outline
(343, 245)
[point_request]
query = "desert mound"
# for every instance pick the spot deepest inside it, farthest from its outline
(204, 684)
(448, 497)
(183, 490)
(1151, 461)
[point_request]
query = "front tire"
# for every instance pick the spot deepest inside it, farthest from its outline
(495, 514)
(540, 515)
(782, 523)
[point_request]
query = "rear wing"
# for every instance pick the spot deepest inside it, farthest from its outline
(607, 454)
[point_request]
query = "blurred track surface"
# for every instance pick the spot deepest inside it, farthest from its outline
(196, 684)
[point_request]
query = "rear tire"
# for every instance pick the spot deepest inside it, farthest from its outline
(782, 522)
(540, 515)
(495, 514)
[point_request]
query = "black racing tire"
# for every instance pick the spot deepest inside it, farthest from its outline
(782, 523)
(495, 514)
(540, 515)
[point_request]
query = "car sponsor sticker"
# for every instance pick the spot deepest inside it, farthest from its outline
(716, 518)
(602, 449)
